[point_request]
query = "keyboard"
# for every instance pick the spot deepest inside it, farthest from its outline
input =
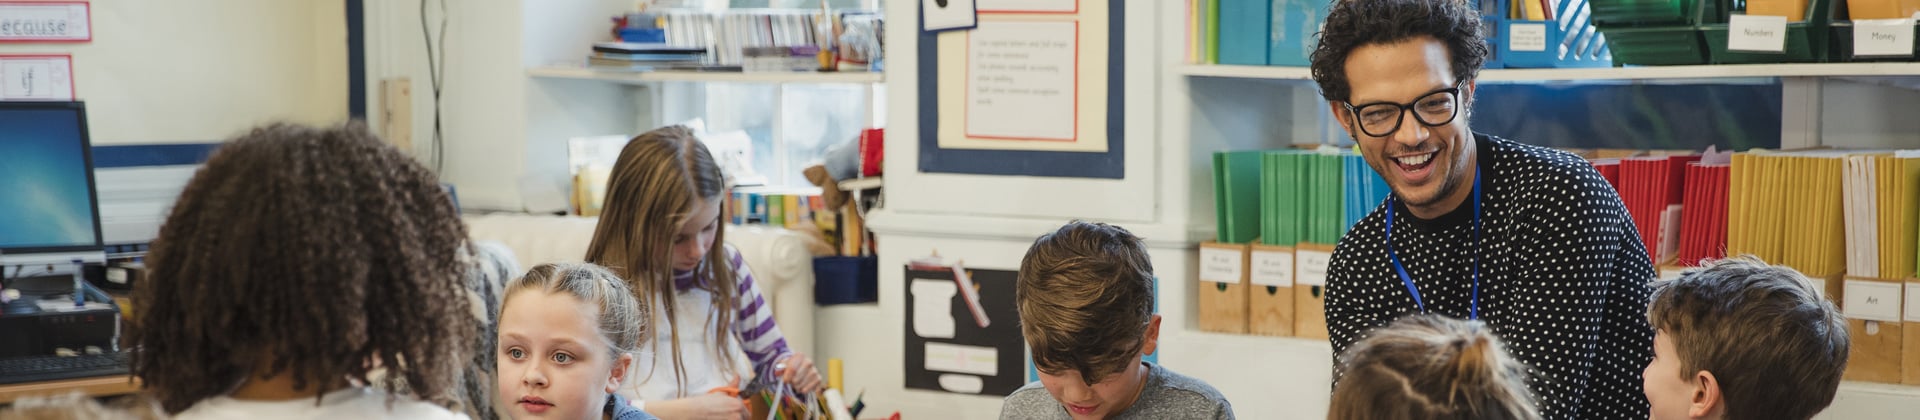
(52, 368)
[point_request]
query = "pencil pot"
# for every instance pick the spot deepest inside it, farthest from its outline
(842, 280)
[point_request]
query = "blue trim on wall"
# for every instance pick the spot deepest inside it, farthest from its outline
(356, 60)
(127, 156)
(1110, 164)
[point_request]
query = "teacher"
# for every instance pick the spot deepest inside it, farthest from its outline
(1530, 240)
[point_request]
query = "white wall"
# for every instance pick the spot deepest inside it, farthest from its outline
(504, 134)
(194, 71)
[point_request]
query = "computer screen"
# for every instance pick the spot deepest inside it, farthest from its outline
(47, 198)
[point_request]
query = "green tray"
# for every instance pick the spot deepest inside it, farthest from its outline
(1806, 40)
(1657, 46)
(1656, 13)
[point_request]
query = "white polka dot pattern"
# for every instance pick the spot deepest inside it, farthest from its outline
(1563, 278)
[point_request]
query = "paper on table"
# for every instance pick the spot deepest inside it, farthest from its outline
(933, 308)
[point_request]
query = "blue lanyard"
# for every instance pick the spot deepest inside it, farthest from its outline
(1474, 309)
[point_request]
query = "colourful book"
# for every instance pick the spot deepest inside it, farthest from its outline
(791, 204)
(1245, 28)
(1212, 32)
(776, 210)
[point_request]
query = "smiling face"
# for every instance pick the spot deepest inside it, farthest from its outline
(554, 362)
(695, 237)
(1428, 167)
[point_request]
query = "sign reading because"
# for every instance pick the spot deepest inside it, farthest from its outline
(45, 22)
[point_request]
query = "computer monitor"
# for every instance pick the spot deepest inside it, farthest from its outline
(49, 210)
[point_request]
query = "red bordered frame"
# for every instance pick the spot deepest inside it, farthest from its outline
(72, 89)
(967, 95)
(85, 7)
(1075, 11)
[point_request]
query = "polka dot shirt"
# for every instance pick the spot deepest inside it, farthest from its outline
(1563, 278)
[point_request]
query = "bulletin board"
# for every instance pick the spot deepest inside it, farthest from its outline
(1036, 90)
(946, 348)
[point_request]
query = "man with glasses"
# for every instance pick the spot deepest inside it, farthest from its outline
(1531, 241)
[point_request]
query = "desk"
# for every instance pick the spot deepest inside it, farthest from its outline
(93, 387)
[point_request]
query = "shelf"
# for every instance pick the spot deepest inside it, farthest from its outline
(1610, 73)
(860, 184)
(582, 73)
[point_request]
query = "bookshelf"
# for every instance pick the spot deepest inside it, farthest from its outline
(1612, 73)
(1212, 108)
(583, 73)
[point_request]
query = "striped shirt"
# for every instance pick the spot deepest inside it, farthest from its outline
(757, 341)
(753, 318)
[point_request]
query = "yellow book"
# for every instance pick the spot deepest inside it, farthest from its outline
(1794, 10)
(852, 232)
(1532, 10)
(1740, 187)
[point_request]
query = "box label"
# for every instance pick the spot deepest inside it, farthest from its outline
(1527, 37)
(1220, 265)
(1883, 38)
(1753, 33)
(1273, 268)
(1872, 300)
(1313, 267)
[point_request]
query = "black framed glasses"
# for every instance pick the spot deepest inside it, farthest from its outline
(1381, 119)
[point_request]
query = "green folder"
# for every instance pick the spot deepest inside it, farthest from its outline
(1236, 195)
(1282, 220)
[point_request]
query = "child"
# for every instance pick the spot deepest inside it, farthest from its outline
(296, 262)
(661, 231)
(489, 266)
(1740, 339)
(567, 333)
(1085, 296)
(1432, 367)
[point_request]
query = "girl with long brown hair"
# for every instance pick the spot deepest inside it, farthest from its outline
(661, 231)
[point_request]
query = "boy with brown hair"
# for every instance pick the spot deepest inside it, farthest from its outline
(1085, 296)
(1742, 339)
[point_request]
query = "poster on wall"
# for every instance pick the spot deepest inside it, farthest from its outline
(45, 21)
(963, 339)
(1029, 6)
(1035, 89)
(36, 77)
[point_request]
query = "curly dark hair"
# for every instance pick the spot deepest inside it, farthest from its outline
(321, 253)
(1355, 23)
(1085, 295)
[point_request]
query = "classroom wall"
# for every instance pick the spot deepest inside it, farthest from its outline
(504, 133)
(194, 71)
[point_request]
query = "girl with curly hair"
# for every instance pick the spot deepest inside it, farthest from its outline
(297, 263)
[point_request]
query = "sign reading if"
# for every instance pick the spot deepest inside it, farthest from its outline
(45, 22)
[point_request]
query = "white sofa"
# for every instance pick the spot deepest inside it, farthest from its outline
(780, 259)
